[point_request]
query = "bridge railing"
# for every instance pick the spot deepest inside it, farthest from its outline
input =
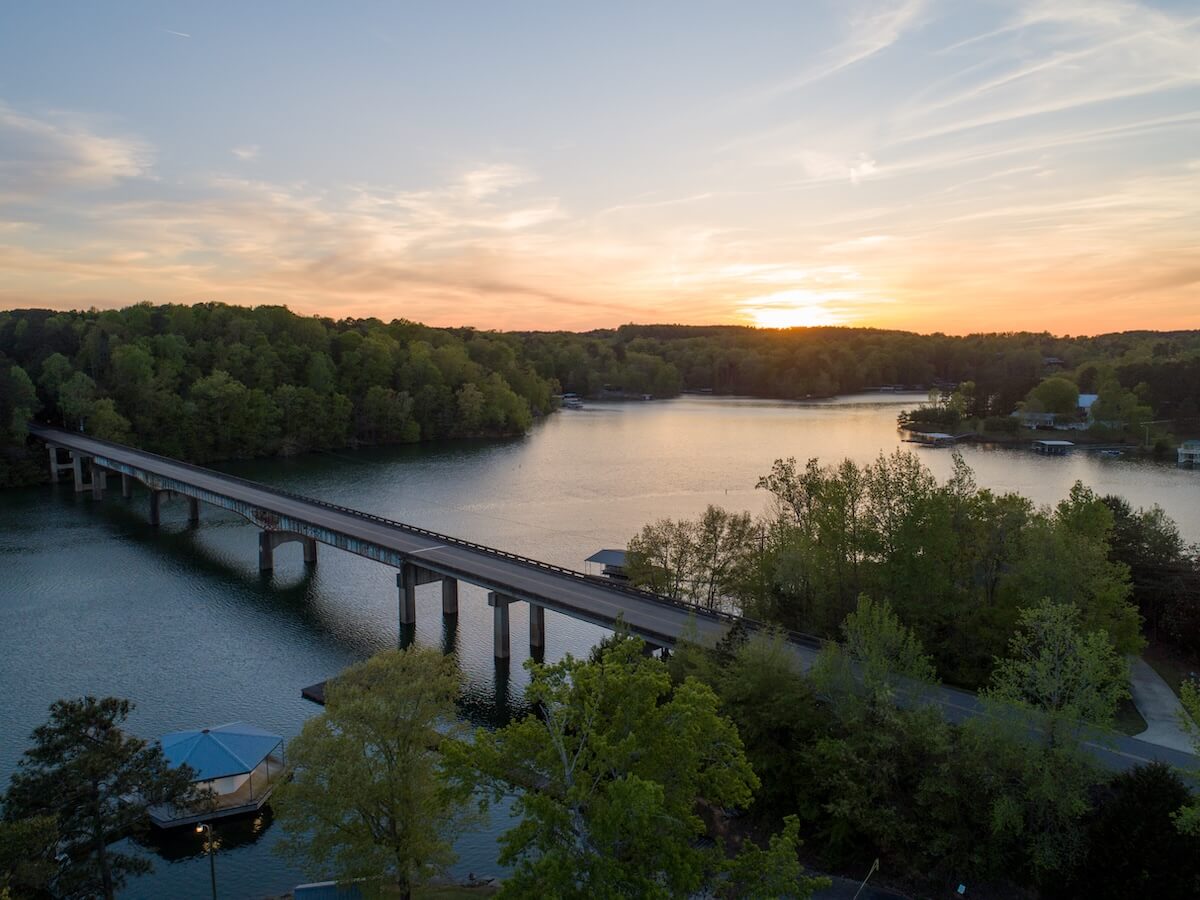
(46, 433)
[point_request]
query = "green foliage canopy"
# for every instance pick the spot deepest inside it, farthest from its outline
(367, 794)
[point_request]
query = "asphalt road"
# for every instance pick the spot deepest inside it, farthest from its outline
(571, 593)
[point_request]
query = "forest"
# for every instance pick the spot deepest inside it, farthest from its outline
(956, 562)
(796, 363)
(911, 583)
(214, 381)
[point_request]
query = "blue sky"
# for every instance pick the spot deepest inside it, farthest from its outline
(951, 166)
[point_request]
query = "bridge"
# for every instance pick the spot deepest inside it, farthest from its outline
(422, 557)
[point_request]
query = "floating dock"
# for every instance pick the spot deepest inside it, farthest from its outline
(1053, 448)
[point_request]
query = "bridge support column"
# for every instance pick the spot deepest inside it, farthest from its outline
(155, 501)
(269, 540)
(499, 604)
(99, 481)
(266, 552)
(55, 465)
(537, 627)
(126, 486)
(406, 581)
(449, 596)
(193, 511)
(77, 467)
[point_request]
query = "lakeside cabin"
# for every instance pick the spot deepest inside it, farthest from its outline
(1189, 454)
(1053, 448)
(612, 563)
(239, 763)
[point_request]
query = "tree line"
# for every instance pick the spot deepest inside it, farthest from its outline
(958, 563)
(796, 363)
(213, 381)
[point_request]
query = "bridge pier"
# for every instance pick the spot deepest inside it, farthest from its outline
(126, 486)
(537, 627)
(193, 511)
(406, 581)
(77, 469)
(499, 604)
(449, 596)
(55, 465)
(99, 481)
(269, 540)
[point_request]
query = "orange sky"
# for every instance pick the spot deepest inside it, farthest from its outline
(910, 164)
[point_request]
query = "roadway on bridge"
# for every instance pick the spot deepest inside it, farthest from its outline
(571, 594)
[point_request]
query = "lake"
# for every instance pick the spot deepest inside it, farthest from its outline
(178, 619)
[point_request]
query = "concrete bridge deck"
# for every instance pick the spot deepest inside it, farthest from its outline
(424, 556)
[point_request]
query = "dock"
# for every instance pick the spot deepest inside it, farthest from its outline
(314, 693)
(1052, 448)
(936, 438)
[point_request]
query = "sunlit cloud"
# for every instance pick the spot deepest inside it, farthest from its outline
(57, 152)
(939, 166)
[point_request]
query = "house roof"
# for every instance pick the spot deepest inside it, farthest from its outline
(608, 557)
(232, 749)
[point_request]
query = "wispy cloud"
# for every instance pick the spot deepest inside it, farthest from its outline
(940, 166)
(176, 33)
(870, 28)
(53, 152)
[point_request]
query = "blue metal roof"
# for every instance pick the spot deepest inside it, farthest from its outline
(232, 749)
(608, 557)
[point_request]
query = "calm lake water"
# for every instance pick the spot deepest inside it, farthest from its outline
(94, 600)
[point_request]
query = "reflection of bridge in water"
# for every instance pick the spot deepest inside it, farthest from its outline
(423, 556)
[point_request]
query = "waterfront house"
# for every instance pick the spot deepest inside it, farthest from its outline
(1189, 454)
(238, 764)
(1030, 419)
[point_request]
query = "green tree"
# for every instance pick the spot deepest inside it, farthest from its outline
(1055, 669)
(388, 416)
(1188, 819)
(56, 370)
(97, 782)
(368, 794)
(1133, 846)
(18, 403)
(1054, 395)
(469, 402)
(879, 658)
(876, 773)
(609, 778)
(108, 424)
(707, 560)
(758, 874)
(27, 850)
(661, 558)
(76, 398)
